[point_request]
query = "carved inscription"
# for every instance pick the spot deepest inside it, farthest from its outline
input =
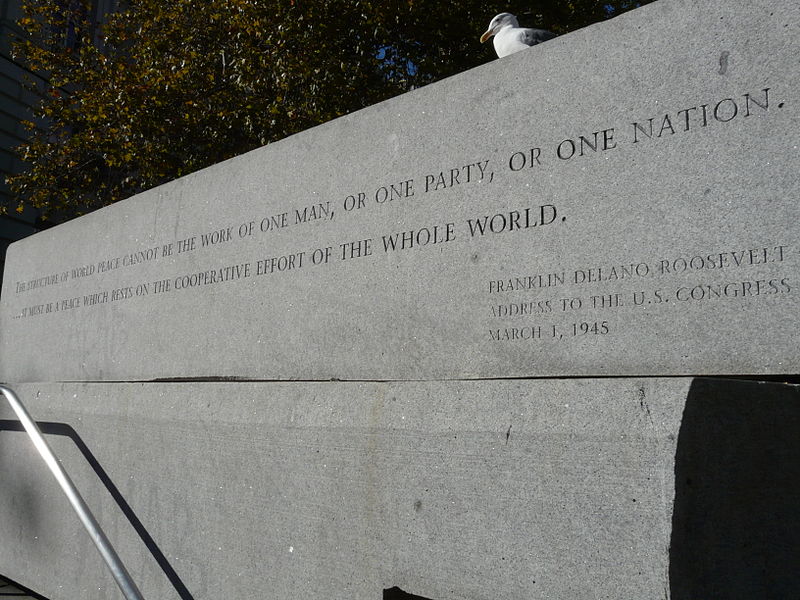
(548, 306)
(567, 302)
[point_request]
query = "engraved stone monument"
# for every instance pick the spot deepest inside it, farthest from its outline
(489, 339)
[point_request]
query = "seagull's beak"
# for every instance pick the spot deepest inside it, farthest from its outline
(487, 35)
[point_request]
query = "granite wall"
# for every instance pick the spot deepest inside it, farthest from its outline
(500, 337)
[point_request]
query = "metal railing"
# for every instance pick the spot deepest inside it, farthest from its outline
(121, 575)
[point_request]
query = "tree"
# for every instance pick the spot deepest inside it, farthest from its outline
(166, 88)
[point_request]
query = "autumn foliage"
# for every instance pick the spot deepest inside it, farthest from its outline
(163, 89)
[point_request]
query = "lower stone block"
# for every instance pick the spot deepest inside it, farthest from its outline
(576, 488)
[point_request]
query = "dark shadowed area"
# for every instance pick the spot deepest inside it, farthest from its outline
(396, 593)
(736, 524)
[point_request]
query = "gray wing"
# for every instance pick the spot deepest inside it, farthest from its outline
(531, 37)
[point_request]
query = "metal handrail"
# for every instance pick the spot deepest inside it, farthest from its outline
(121, 575)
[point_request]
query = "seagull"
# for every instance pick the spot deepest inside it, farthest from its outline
(509, 37)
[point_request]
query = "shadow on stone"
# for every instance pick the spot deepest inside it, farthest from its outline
(736, 523)
(10, 589)
(66, 430)
(396, 593)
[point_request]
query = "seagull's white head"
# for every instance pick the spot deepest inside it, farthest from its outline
(500, 21)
